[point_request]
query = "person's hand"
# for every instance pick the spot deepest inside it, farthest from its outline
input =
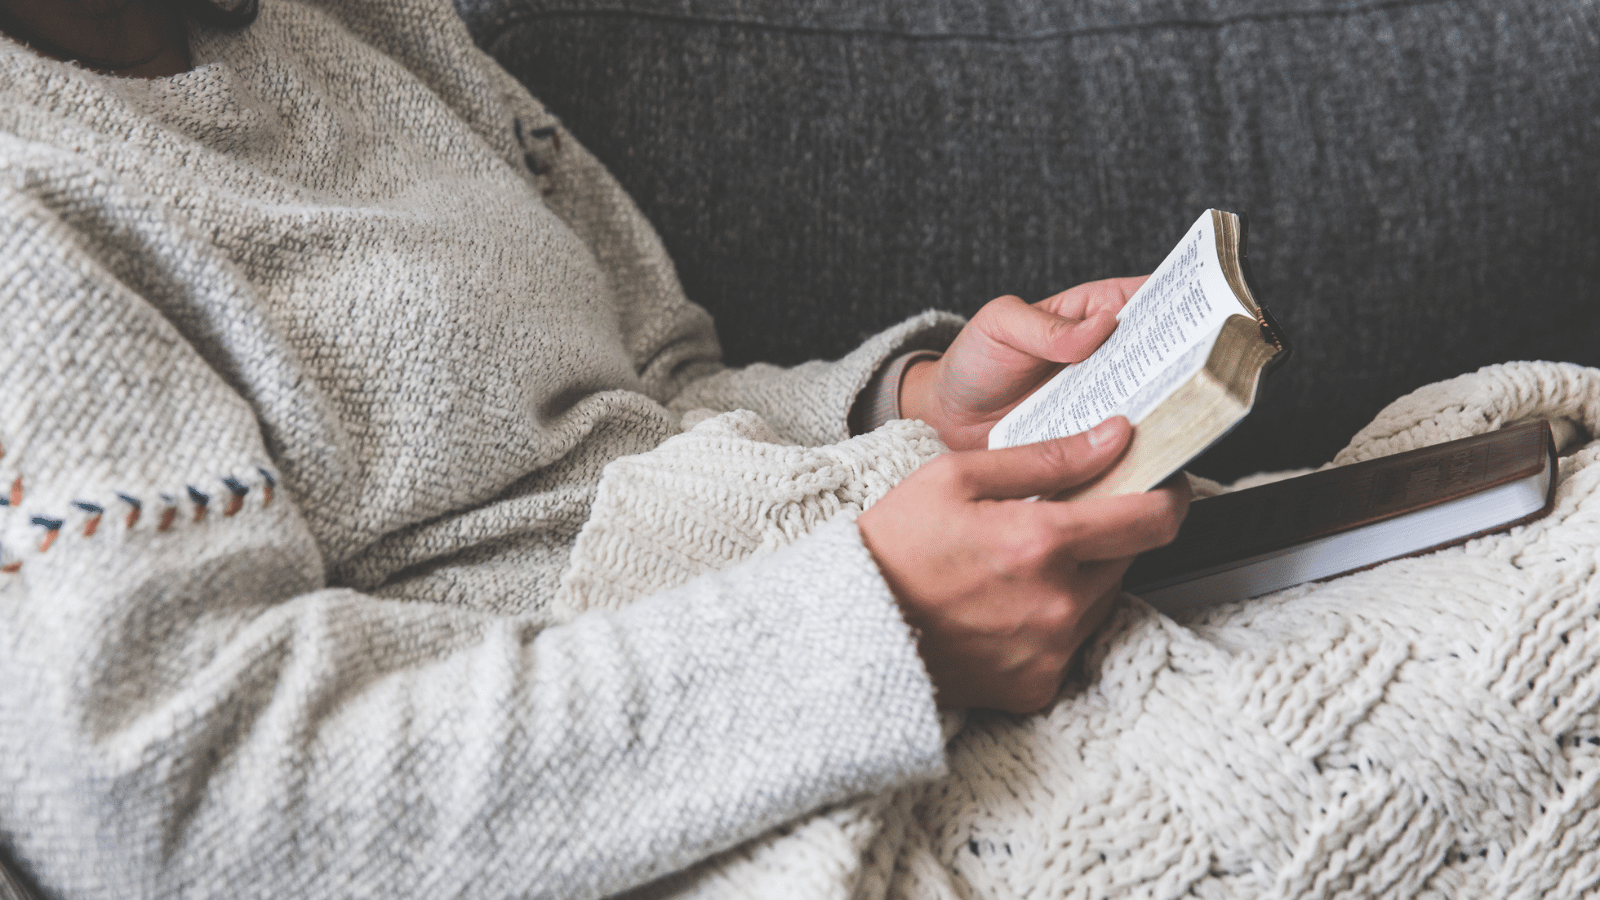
(1000, 589)
(1008, 349)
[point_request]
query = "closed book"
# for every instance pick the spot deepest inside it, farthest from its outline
(1258, 540)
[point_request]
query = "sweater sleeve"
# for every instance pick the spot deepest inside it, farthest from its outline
(672, 341)
(190, 710)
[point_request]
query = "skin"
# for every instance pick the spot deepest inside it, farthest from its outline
(143, 38)
(1001, 590)
(1008, 349)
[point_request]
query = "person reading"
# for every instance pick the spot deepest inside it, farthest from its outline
(320, 332)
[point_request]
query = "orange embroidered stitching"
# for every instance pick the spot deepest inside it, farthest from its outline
(95, 511)
(169, 514)
(52, 531)
(201, 503)
(134, 509)
(236, 502)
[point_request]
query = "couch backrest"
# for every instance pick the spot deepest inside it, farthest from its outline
(1420, 178)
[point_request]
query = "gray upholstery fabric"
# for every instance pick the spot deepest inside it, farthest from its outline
(1420, 176)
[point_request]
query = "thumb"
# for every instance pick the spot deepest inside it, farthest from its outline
(1043, 332)
(1048, 467)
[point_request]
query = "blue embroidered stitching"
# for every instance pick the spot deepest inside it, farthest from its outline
(237, 491)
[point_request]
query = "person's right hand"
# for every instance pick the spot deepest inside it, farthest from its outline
(1002, 590)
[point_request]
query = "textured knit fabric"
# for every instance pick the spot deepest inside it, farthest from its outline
(313, 357)
(1419, 175)
(1429, 728)
(736, 489)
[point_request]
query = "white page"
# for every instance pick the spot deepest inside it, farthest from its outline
(1164, 335)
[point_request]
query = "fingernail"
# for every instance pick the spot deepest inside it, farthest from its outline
(1101, 433)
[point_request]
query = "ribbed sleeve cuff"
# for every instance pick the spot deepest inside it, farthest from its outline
(879, 401)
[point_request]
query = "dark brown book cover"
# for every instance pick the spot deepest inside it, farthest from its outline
(1248, 523)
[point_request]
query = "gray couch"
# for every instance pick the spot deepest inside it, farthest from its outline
(1421, 177)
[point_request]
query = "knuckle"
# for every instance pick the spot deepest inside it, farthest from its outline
(1010, 563)
(1157, 520)
(1057, 617)
(1073, 531)
(962, 475)
(1024, 551)
(1057, 328)
(1159, 530)
(1068, 530)
(995, 310)
(949, 470)
(1057, 456)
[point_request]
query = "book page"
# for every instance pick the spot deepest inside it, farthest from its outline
(1163, 336)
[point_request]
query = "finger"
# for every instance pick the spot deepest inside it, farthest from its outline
(1038, 332)
(1112, 528)
(1091, 621)
(1045, 468)
(1106, 295)
(1097, 578)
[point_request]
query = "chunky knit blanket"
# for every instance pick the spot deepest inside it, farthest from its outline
(1427, 728)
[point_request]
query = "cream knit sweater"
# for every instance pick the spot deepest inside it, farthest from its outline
(312, 359)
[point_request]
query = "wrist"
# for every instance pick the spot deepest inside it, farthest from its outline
(880, 400)
(916, 383)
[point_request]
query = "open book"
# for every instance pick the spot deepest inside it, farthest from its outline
(1263, 539)
(1183, 364)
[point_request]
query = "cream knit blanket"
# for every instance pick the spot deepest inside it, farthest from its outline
(1427, 728)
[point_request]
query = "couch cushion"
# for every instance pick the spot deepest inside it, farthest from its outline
(1420, 177)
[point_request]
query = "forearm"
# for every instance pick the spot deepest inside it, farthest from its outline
(195, 709)
(177, 726)
(811, 403)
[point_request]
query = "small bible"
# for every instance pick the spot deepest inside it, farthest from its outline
(1313, 527)
(1183, 364)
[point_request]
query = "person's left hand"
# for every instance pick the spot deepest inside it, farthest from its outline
(1008, 350)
